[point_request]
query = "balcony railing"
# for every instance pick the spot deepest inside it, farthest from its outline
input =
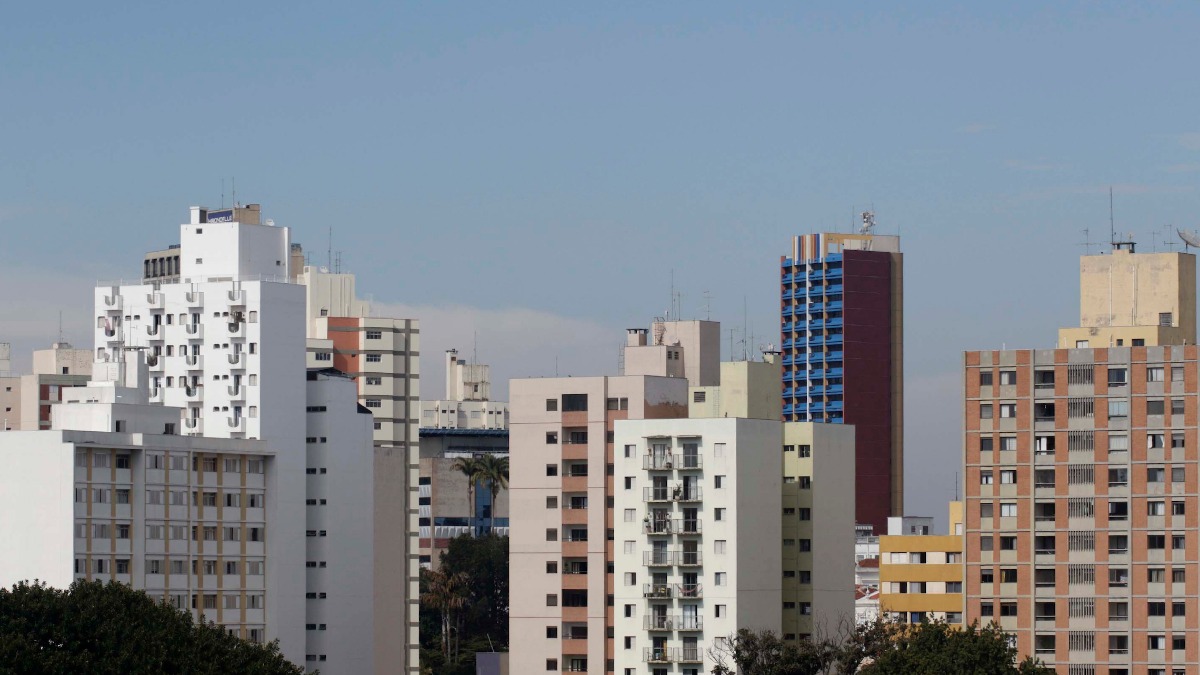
(152, 330)
(235, 328)
(235, 358)
(662, 462)
(689, 590)
(235, 392)
(666, 558)
(194, 361)
(672, 526)
(658, 591)
(194, 329)
(657, 654)
(656, 494)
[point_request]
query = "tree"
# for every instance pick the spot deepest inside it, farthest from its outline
(494, 469)
(446, 593)
(937, 647)
(111, 628)
(878, 648)
(469, 467)
(482, 623)
(766, 654)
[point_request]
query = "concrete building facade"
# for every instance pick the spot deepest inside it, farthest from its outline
(113, 493)
(842, 336)
(690, 349)
(693, 560)
(561, 491)
(921, 574)
(1129, 299)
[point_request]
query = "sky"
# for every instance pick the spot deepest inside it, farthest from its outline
(531, 178)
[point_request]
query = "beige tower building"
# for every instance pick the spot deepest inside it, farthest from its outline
(1129, 299)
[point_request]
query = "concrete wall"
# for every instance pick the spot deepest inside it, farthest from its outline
(340, 459)
(61, 359)
(1131, 289)
(10, 403)
(36, 508)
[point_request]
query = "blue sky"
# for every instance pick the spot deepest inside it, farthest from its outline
(535, 172)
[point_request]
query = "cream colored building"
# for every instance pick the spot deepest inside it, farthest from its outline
(817, 528)
(921, 575)
(1129, 299)
(747, 389)
(695, 557)
(468, 403)
(55, 369)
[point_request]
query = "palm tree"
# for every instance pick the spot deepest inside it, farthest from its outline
(494, 469)
(470, 467)
(447, 594)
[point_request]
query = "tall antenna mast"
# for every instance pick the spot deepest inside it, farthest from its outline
(222, 193)
(60, 333)
(329, 252)
(745, 334)
(707, 306)
(1112, 227)
(234, 180)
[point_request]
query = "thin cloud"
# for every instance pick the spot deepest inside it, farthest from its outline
(976, 128)
(1189, 140)
(1022, 165)
(516, 342)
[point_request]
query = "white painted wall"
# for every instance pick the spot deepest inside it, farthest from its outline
(341, 467)
(36, 508)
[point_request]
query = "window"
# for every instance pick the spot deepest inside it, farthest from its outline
(719, 578)
(374, 358)
(1154, 374)
(719, 546)
(985, 477)
(1154, 406)
(551, 437)
(985, 411)
(986, 443)
(1117, 377)
(574, 402)
(1009, 410)
(1008, 510)
(1176, 406)
(374, 335)
(1177, 474)
(551, 405)
(374, 403)
(1177, 373)
(985, 378)
(719, 481)
(1155, 474)
(551, 469)
(1118, 408)
(719, 514)
(1008, 443)
(1008, 377)
(1008, 477)
(986, 510)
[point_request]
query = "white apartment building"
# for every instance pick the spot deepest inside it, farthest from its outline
(340, 617)
(227, 345)
(113, 493)
(697, 546)
(468, 403)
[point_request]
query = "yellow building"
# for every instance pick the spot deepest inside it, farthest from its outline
(1129, 299)
(921, 576)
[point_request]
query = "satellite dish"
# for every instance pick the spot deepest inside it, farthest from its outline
(1189, 239)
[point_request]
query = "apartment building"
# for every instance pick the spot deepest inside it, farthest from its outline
(695, 556)
(842, 340)
(225, 345)
(27, 399)
(340, 571)
(921, 573)
(1081, 477)
(1080, 503)
(382, 356)
(817, 528)
(113, 493)
(561, 493)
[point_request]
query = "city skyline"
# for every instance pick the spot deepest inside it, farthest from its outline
(726, 135)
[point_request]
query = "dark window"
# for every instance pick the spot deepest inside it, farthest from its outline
(574, 402)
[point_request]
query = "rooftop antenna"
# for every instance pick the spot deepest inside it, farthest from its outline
(234, 183)
(222, 193)
(329, 252)
(60, 332)
(475, 348)
(745, 324)
(868, 222)
(955, 486)
(1087, 242)
(1112, 227)
(707, 306)
(1167, 239)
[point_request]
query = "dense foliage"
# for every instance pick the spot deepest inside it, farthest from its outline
(878, 648)
(110, 628)
(464, 605)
